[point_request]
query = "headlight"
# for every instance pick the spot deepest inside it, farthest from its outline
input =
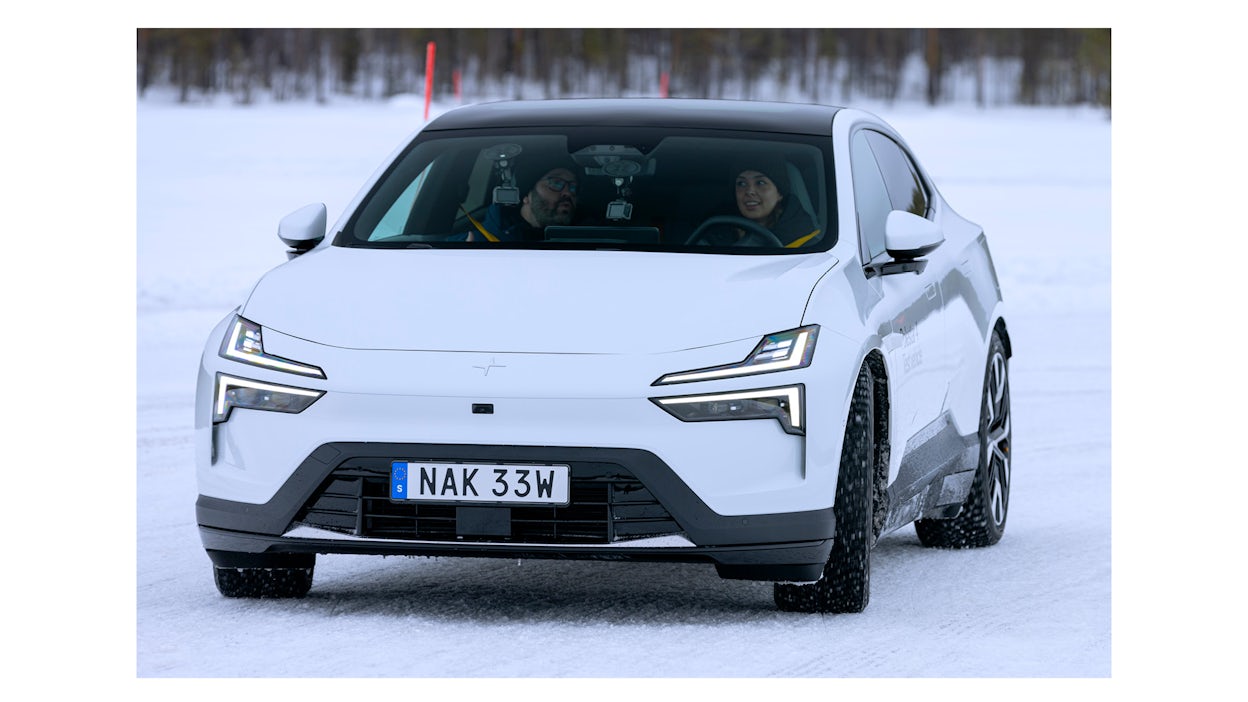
(782, 404)
(245, 344)
(234, 392)
(776, 352)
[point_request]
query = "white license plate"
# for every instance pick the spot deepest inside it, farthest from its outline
(480, 482)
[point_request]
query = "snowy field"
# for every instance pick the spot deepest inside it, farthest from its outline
(212, 183)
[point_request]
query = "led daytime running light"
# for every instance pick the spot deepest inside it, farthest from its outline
(271, 397)
(245, 344)
(776, 352)
(787, 407)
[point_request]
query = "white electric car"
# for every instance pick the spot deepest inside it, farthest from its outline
(747, 334)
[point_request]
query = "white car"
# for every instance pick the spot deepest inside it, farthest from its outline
(747, 334)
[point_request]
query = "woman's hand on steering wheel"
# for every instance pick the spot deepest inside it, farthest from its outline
(749, 229)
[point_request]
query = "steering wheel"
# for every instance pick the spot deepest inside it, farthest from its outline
(754, 232)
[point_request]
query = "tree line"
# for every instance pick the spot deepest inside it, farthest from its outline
(983, 66)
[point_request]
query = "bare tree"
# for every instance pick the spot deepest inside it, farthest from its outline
(1057, 66)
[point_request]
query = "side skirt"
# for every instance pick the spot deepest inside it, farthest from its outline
(936, 473)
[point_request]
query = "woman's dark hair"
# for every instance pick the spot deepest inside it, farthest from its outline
(774, 170)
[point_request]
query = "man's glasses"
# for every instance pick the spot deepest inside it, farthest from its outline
(558, 184)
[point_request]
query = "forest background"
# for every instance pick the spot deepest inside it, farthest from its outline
(985, 67)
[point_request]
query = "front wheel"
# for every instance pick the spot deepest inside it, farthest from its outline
(844, 586)
(262, 575)
(981, 521)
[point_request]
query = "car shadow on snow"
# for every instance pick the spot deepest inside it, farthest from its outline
(494, 590)
(498, 590)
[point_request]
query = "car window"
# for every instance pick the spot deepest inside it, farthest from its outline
(871, 198)
(393, 221)
(642, 189)
(905, 189)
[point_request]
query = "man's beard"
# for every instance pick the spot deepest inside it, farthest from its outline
(547, 213)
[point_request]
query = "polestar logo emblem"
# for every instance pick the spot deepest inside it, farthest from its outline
(485, 370)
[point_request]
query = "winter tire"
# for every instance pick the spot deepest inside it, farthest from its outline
(247, 575)
(981, 521)
(845, 584)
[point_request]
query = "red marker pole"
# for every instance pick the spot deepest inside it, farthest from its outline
(430, 50)
(663, 81)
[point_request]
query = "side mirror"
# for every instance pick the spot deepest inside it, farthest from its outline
(907, 237)
(302, 229)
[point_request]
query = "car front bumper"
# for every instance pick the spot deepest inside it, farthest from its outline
(627, 504)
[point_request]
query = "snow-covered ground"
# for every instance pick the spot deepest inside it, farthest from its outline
(212, 183)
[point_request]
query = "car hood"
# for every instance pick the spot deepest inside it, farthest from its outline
(532, 301)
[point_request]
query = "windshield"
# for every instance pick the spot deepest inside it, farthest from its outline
(696, 191)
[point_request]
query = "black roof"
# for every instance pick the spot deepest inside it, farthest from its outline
(632, 112)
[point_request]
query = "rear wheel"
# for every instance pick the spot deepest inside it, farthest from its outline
(845, 584)
(262, 575)
(981, 521)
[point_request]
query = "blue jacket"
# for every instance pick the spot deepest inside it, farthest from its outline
(507, 224)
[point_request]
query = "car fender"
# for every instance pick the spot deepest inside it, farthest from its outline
(837, 303)
(973, 309)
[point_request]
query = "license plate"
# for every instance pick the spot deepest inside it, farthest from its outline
(480, 482)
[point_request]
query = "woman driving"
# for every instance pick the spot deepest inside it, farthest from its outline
(761, 198)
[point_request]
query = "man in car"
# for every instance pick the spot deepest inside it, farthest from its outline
(551, 200)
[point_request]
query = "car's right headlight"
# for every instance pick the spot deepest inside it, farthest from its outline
(245, 344)
(243, 393)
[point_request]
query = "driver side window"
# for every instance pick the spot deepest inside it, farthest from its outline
(904, 186)
(871, 199)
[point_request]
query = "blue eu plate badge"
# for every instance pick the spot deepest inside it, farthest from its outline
(398, 480)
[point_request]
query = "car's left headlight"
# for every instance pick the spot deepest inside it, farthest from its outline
(775, 352)
(784, 404)
(245, 344)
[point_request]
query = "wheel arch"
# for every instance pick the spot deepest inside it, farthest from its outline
(1002, 331)
(881, 454)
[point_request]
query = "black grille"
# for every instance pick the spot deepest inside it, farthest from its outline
(607, 504)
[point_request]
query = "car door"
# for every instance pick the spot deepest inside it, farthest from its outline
(909, 316)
